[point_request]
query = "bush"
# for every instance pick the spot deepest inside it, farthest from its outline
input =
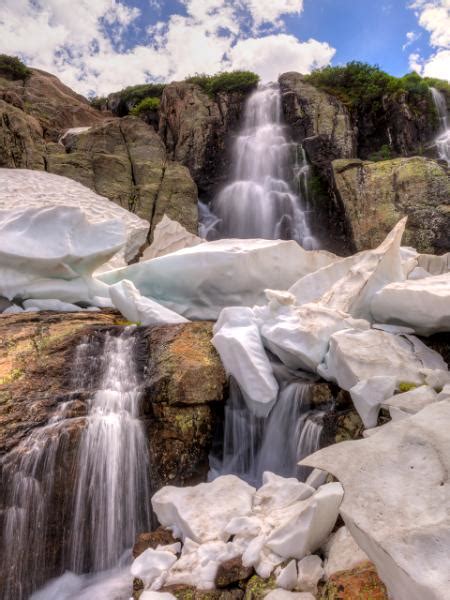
(12, 67)
(439, 84)
(362, 86)
(228, 81)
(146, 105)
(98, 102)
(384, 153)
(136, 93)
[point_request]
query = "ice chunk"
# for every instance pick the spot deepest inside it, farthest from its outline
(368, 396)
(51, 305)
(287, 577)
(237, 340)
(169, 236)
(342, 552)
(310, 572)
(150, 565)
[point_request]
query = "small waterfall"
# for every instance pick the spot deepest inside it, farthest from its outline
(252, 445)
(113, 490)
(77, 489)
(443, 139)
(259, 202)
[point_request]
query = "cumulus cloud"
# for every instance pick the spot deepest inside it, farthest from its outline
(411, 37)
(434, 17)
(84, 42)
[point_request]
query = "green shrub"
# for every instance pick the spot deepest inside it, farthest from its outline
(146, 105)
(12, 67)
(439, 84)
(228, 81)
(98, 102)
(362, 86)
(384, 153)
(136, 93)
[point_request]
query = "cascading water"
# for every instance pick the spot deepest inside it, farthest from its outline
(113, 490)
(259, 202)
(443, 139)
(252, 445)
(98, 520)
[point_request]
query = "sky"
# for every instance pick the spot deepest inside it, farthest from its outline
(100, 46)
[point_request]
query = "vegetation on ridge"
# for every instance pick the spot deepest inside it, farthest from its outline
(227, 81)
(146, 105)
(13, 68)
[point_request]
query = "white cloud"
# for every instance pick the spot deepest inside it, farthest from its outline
(411, 37)
(434, 17)
(272, 55)
(83, 42)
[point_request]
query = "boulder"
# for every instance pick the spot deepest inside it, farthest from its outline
(232, 572)
(126, 161)
(357, 583)
(421, 304)
(396, 502)
(375, 195)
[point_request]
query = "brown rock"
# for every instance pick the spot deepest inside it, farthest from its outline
(360, 583)
(232, 572)
(152, 539)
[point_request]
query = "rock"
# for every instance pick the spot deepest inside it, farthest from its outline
(21, 139)
(232, 572)
(362, 581)
(310, 572)
(356, 356)
(54, 105)
(183, 592)
(342, 553)
(201, 513)
(374, 195)
(232, 273)
(137, 309)
(39, 190)
(169, 236)
(196, 129)
(318, 120)
(420, 304)
(396, 502)
(153, 539)
(238, 342)
(125, 160)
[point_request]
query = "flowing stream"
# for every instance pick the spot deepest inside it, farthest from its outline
(252, 445)
(443, 138)
(98, 520)
(259, 202)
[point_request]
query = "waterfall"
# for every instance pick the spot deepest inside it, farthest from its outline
(252, 445)
(112, 490)
(443, 138)
(88, 526)
(259, 201)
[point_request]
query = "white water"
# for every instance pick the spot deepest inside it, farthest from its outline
(252, 445)
(113, 490)
(259, 202)
(442, 140)
(111, 500)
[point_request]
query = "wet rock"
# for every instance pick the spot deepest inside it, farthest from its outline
(375, 195)
(355, 584)
(232, 572)
(152, 539)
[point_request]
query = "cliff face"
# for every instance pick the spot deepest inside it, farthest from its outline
(43, 403)
(122, 159)
(197, 130)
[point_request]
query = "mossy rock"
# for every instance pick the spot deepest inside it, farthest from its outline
(360, 583)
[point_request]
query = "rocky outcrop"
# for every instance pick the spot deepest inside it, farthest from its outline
(126, 161)
(355, 584)
(375, 195)
(318, 120)
(44, 393)
(54, 105)
(197, 128)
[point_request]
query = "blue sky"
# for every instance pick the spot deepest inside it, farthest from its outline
(98, 46)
